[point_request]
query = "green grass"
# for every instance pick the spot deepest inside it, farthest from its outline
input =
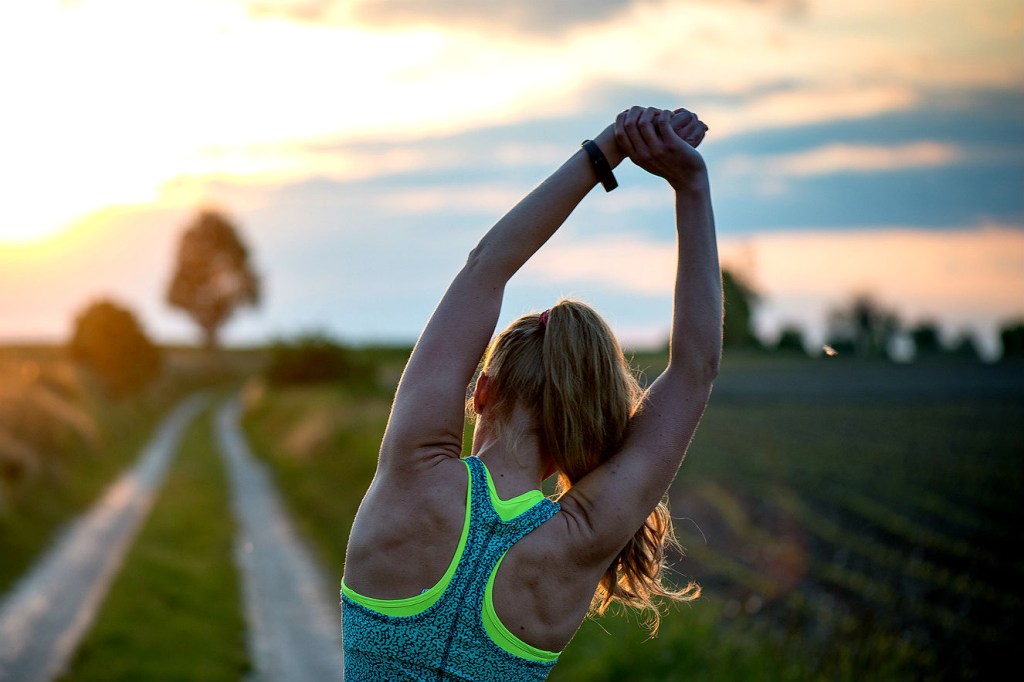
(846, 520)
(174, 612)
(37, 511)
(323, 478)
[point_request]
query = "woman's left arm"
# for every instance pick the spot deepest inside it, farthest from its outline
(428, 413)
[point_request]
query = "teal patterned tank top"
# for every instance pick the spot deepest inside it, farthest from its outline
(451, 632)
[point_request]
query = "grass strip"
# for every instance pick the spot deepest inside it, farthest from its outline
(322, 478)
(34, 515)
(174, 612)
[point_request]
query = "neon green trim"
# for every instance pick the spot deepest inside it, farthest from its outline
(509, 509)
(410, 606)
(501, 635)
(496, 630)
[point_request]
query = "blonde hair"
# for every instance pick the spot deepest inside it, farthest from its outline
(567, 367)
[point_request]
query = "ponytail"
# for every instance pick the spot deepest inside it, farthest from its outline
(567, 363)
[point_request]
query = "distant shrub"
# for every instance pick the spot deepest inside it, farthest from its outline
(1012, 337)
(862, 327)
(791, 340)
(313, 358)
(109, 340)
(926, 340)
(965, 348)
(737, 322)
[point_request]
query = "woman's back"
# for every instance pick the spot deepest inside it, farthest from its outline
(407, 534)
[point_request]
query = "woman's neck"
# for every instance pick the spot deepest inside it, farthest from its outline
(512, 455)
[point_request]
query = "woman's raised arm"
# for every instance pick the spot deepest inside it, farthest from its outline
(428, 414)
(613, 501)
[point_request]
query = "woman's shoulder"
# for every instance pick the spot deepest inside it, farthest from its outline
(406, 530)
(421, 480)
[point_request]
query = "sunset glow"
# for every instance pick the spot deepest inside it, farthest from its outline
(123, 97)
(837, 130)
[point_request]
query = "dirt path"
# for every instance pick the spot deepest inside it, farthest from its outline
(292, 610)
(44, 617)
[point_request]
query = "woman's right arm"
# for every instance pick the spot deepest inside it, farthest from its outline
(428, 415)
(612, 502)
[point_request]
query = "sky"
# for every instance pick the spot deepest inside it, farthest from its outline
(363, 148)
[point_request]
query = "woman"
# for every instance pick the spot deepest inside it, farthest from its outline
(461, 568)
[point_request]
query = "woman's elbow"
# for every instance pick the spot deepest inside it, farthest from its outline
(482, 262)
(475, 257)
(711, 366)
(705, 368)
(699, 368)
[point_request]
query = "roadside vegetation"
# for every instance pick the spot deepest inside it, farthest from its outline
(300, 430)
(174, 612)
(64, 436)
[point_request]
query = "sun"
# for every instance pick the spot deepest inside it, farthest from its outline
(45, 197)
(18, 233)
(91, 118)
(108, 102)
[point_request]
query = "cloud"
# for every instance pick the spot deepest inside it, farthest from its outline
(981, 266)
(532, 17)
(250, 80)
(625, 262)
(281, 163)
(806, 104)
(481, 198)
(847, 158)
(527, 17)
(750, 65)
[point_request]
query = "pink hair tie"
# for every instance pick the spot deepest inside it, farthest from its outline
(542, 319)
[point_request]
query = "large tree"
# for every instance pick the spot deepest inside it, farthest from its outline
(214, 276)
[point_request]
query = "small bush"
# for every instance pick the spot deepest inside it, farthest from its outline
(109, 340)
(791, 340)
(1012, 336)
(313, 358)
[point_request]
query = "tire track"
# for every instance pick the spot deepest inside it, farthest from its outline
(293, 618)
(44, 617)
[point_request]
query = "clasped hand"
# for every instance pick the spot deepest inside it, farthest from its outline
(663, 143)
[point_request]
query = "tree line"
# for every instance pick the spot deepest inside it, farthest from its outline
(862, 328)
(213, 277)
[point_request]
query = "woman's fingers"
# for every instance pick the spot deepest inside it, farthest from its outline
(632, 129)
(689, 127)
(660, 141)
(625, 130)
(621, 138)
(645, 126)
(685, 123)
(693, 132)
(682, 118)
(665, 131)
